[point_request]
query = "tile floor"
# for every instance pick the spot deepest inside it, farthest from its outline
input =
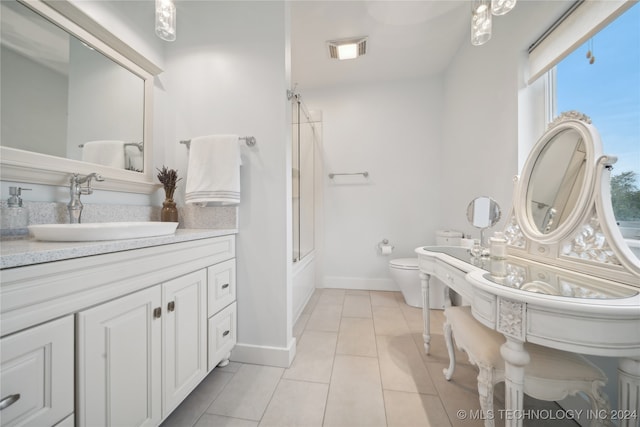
(359, 362)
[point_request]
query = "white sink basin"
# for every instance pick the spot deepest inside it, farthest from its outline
(101, 231)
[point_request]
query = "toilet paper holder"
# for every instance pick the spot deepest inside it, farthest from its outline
(384, 247)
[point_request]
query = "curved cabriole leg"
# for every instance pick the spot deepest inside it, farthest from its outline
(448, 334)
(600, 406)
(426, 334)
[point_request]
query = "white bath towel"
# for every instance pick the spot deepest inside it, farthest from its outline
(107, 153)
(214, 170)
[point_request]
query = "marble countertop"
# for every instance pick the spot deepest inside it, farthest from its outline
(27, 251)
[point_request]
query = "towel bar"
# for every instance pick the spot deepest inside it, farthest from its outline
(140, 145)
(249, 140)
(365, 174)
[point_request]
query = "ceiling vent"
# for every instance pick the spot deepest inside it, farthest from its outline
(347, 48)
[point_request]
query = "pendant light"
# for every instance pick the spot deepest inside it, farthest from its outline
(502, 7)
(480, 22)
(166, 20)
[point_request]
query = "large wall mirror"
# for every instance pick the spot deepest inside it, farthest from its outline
(74, 99)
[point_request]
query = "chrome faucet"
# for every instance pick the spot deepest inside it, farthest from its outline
(76, 190)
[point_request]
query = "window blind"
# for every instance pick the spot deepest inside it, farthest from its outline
(583, 19)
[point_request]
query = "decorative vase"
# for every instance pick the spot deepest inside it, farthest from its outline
(169, 211)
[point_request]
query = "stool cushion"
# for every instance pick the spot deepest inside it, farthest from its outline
(546, 363)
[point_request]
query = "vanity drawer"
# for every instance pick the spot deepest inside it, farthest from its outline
(454, 278)
(485, 308)
(221, 286)
(36, 374)
(222, 335)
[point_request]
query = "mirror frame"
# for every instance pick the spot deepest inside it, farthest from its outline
(593, 147)
(30, 167)
(593, 213)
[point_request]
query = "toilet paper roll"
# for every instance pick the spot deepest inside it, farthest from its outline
(386, 249)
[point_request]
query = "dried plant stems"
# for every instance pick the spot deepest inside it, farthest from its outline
(168, 178)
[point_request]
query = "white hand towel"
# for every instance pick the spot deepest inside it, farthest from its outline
(134, 158)
(214, 170)
(107, 153)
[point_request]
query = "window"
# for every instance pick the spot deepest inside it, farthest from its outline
(601, 78)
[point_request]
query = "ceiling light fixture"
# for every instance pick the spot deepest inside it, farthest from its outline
(480, 22)
(166, 20)
(481, 17)
(347, 48)
(502, 7)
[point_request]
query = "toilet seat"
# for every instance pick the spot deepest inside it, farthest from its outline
(404, 263)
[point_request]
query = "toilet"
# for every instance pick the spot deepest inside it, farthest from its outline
(404, 272)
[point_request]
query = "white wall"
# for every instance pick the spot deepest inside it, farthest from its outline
(482, 113)
(227, 72)
(393, 131)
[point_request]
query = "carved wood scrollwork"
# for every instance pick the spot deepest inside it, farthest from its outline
(590, 243)
(511, 318)
(513, 233)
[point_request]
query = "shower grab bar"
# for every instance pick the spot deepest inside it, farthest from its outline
(140, 145)
(365, 174)
(249, 140)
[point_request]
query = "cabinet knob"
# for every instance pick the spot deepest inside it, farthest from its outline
(225, 286)
(225, 333)
(157, 312)
(171, 306)
(9, 400)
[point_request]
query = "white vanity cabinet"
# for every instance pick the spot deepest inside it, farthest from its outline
(36, 375)
(141, 322)
(139, 349)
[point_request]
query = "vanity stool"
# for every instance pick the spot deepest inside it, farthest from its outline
(550, 375)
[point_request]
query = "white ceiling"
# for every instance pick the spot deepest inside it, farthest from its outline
(405, 39)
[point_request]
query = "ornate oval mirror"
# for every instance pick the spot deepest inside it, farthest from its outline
(557, 181)
(562, 209)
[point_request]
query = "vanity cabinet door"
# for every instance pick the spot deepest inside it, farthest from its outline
(119, 361)
(184, 336)
(36, 375)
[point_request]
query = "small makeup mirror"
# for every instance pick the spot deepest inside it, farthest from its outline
(483, 212)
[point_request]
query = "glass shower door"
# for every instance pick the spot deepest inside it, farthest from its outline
(302, 184)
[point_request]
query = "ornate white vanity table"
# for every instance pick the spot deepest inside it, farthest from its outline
(568, 282)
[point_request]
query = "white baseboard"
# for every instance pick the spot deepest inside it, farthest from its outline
(264, 355)
(359, 283)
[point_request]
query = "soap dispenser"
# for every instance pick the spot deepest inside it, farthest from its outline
(15, 217)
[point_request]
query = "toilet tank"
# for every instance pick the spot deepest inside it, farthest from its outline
(448, 238)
